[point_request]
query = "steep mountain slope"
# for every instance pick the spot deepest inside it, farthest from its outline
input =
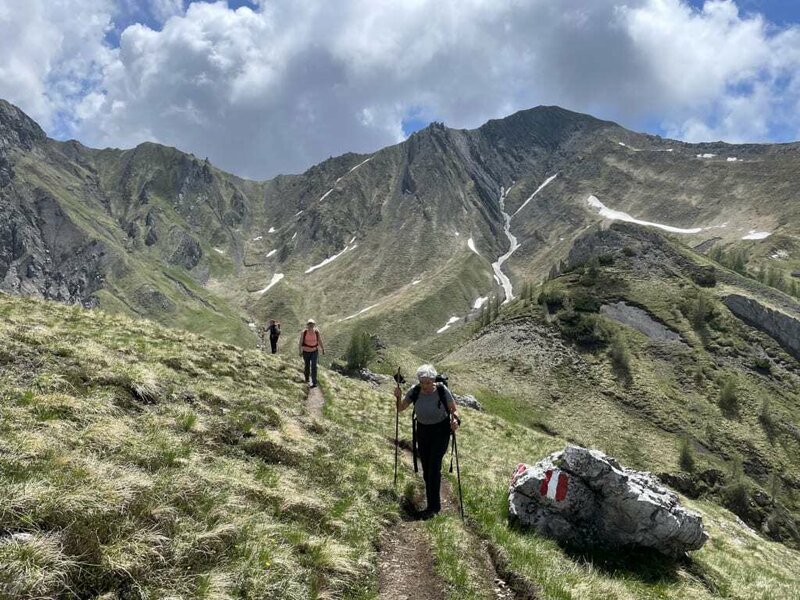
(403, 240)
(633, 350)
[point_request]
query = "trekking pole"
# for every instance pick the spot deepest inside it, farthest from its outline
(398, 378)
(458, 473)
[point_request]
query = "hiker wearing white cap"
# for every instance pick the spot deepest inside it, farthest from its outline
(310, 345)
(435, 418)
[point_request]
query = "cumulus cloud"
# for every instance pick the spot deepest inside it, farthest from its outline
(51, 52)
(277, 86)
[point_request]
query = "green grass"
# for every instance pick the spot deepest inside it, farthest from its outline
(134, 457)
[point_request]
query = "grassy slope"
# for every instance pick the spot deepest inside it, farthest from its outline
(147, 463)
(736, 563)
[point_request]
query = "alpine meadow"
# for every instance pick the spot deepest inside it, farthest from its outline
(608, 324)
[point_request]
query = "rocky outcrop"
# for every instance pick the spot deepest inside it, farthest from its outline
(468, 401)
(779, 326)
(639, 319)
(43, 254)
(586, 499)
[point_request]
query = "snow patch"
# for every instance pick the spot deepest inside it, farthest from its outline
(325, 195)
(723, 226)
(731, 159)
(447, 325)
(275, 279)
(706, 155)
(539, 189)
(271, 253)
(416, 281)
(271, 230)
(456, 234)
(756, 235)
(331, 259)
(361, 312)
(480, 302)
(359, 164)
(218, 251)
(471, 244)
(352, 239)
(616, 215)
(780, 254)
(295, 235)
(621, 144)
(298, 213)
(497, 266)
(255, 239)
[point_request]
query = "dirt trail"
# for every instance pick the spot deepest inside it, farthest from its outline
(315, 402)
(406, 569)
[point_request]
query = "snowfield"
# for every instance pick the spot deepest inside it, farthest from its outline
(616, 215)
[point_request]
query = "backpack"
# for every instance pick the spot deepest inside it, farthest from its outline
(441, 386)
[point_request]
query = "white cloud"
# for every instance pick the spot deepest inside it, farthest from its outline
(51, 51)
(287, 83)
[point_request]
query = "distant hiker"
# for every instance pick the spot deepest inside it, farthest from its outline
(310, 345)
(436, 416)
(274, 330)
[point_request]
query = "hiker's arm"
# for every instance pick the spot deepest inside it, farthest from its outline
(321, 345)
(401, 402)
(300, 345)
(452, 408)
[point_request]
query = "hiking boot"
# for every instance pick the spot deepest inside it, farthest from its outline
(313, 385)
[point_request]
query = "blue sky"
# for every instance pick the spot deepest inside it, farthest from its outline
(779, 12)
(275, 86)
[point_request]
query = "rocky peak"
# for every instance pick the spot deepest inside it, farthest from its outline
(17, 128)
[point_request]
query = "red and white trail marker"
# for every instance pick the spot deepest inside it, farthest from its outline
(521, 468)
(554, 485)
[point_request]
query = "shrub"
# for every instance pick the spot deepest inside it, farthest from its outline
(585, 302)
(762, 364)
(585, 329)
(606, 259)
(698, 308)
(686, 458)
(620, 357)
(767, 419)
(629, 251)
(552, 299)
(736, 498)
(360, 351)
(729, 398)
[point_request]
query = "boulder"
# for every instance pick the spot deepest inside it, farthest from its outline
(586, 499)
(468, 401)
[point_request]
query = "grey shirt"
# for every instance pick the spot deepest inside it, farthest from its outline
(429, 409)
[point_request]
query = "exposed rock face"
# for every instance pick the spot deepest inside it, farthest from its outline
(635, 317)
(778, 325)
(586, 499)
(43, 254)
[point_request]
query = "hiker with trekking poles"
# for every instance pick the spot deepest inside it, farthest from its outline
(435, 419)
(310, 345)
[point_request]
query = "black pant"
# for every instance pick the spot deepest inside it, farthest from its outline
(310, 359)
(432, 442)
(273, 342)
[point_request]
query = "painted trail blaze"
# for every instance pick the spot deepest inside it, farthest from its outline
(521, 468)
(554, 485)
